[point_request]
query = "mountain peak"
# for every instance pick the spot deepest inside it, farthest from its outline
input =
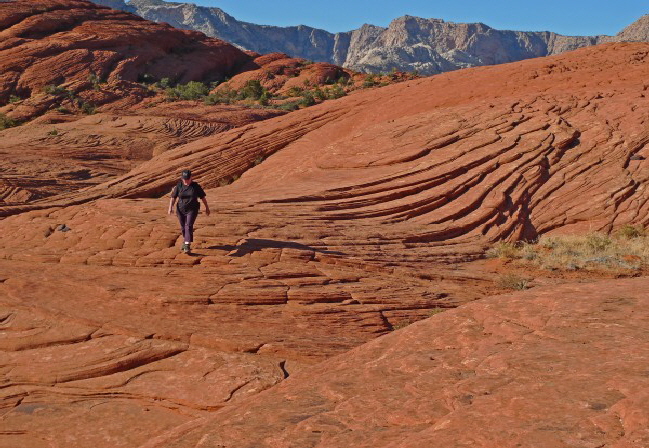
(638, 31)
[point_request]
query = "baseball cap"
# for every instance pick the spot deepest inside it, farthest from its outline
(186, 174)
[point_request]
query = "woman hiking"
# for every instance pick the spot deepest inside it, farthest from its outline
(188, 193)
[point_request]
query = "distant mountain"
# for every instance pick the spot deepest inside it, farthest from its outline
(409, 43)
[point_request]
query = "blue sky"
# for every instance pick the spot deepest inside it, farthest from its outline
(573, 17)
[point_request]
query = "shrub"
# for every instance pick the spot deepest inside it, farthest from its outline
(295, 91)
(223, 96)
(598, 242)
(264, 99)
(436, 310)
(164, 83)
(400, 325)
(319, 94)
(628, 231)
(88, 108)
(52, 89)
(336, 92)
(370, 81)
(252, 90)
(6, 122)
(307, 99)
(503, 249)
(290, 105)
(63, 110)
(53, 132)
(193, 90)
(513, 281)
(14, 99)
(95, 81)
(628, 248)
(343, 80)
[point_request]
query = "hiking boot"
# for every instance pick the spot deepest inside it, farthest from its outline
(186, 249)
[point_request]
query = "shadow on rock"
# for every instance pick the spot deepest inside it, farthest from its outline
(250, 245)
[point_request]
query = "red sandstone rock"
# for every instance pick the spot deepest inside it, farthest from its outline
(63, 42)
(535, 369)
(278, 72)
(351, 218)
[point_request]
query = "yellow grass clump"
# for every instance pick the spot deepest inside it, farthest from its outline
(627, 248)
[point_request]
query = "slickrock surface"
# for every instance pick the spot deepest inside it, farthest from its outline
(351, 219)
(59, 153)
(278, 72)
(407, 43)
(465, 157)
(64, 42)
(559, 367)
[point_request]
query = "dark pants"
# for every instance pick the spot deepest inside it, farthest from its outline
(187, 224)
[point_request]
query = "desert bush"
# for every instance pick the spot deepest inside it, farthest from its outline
(252, 90)
(370, 81)
(513, 281)
(193, 90)
(14, 99)
(628, 231)
(503, 249)
(290, 105)
(264, 99)
(295, 91)
(164, 83)
(627, 248)
(436, 310)
(53, 132)
(319, 94)
(95, 81)
(63, 110)
(336, 92)
(402, 324)
(223, 96)
(88, 108)
(307, 99)
(6, 122)
(52, 89)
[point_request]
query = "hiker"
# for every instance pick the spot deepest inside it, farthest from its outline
(188, 193)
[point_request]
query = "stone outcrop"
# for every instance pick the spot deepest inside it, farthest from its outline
(63, 59)
(331, 227)
(529, 370)
(409, 43)
(64, 43)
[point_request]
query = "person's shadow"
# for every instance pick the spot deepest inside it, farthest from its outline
(250, 245)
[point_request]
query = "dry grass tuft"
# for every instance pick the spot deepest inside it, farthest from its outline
(513, 281)
(627, 248)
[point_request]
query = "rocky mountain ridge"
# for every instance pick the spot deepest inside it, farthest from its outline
(428, 46)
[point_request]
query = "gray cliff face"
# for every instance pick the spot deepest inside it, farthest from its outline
(428, 46)
(636, 32)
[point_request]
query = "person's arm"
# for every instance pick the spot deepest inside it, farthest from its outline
(207, 207)
(172, 201)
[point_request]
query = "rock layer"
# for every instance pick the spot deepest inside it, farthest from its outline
(349, 220)
(409, 43)
(536, 369)
(63, 43)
